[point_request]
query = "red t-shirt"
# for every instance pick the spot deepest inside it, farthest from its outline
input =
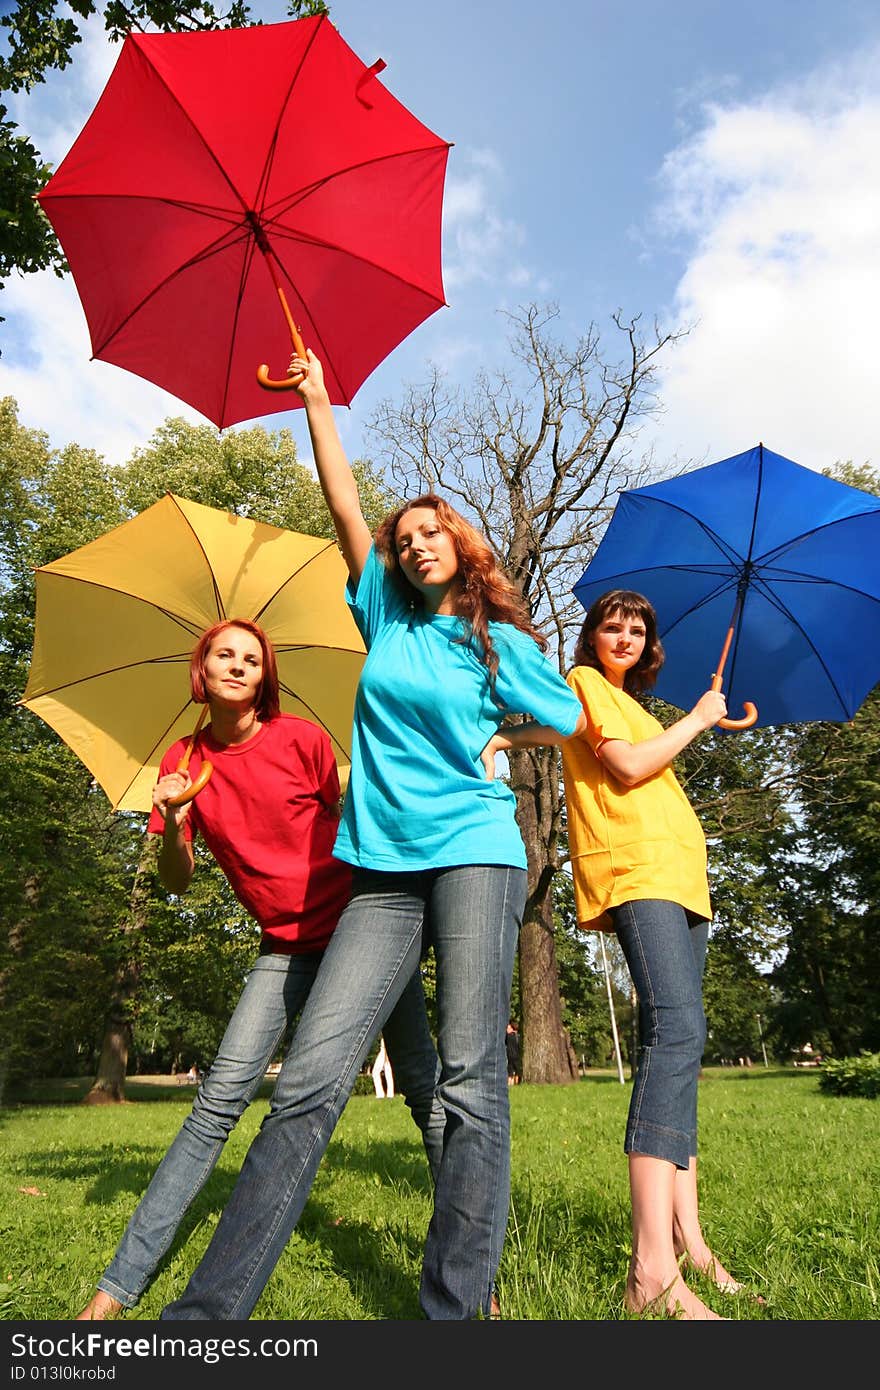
(269, 816)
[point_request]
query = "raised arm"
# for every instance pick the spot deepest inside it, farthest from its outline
(334, 471)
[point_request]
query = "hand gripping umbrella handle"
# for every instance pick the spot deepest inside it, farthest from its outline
(748, 719)
(204, 776)
(751, 711)
(263, 377)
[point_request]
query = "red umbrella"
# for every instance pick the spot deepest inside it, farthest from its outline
(223, 170)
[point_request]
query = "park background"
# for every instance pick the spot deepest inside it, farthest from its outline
(674, 204)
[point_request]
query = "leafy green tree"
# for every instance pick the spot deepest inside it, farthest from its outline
(828, 874)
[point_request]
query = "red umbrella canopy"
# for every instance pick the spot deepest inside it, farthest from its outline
(221, 166)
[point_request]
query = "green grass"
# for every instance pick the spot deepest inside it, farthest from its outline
(789, 1189)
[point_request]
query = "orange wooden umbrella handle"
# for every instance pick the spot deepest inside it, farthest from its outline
(286, 383)
(204, 775)
(748, 719)
(751, 711)
(183, 797)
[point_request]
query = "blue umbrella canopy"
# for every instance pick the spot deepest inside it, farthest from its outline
(789, 559)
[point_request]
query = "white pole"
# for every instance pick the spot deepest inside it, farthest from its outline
(611, 1008)
(761, 1036)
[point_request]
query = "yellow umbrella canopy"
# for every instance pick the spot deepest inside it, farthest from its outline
(117, 620)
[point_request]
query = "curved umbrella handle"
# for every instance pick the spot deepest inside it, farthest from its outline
(204, 776)
(183, 797)
(751, 711)
(748, 719)
(271, 384)
(263, 377)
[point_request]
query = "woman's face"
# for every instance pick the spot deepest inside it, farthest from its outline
(234, 669)
(426, 552)
(618, 643)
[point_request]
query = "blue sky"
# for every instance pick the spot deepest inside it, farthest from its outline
(701, 163)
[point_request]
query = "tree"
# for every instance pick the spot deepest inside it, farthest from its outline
(64, 861)
(535, 454)
(42, 37)
(828, 873)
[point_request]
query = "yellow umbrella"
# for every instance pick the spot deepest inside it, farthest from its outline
(117, 619)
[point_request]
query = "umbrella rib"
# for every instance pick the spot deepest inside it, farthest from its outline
(771, 555)
(246, 264)
(786, 612)
(273, 144)
(315, 717)
(732, 555)
(795, 577)
(192, 125)
(758, 491)
(113, 588)
(214, 248)
(290, 200)
(187, 626)
(299, 569)
(324, 352)
(289, 234)
(160, 743)
(110, 671)
(221, 608)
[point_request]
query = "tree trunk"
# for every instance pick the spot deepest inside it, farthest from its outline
(546, 1057)
(108, 1088)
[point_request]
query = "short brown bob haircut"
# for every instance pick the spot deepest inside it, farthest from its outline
(629, 605)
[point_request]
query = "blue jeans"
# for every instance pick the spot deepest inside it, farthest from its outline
(474, 913)
(665, 949)
(275, 991)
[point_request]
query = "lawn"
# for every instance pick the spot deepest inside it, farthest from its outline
(789, 1187)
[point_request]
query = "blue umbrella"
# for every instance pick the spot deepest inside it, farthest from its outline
(783, 560)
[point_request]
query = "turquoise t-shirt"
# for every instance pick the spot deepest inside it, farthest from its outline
(418, 796)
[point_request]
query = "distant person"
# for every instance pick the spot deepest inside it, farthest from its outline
(511, 1042)
(269, 815)
(383, 1076)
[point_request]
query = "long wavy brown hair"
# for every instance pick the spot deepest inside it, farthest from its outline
(268, 702)
(629, 605)
(486, 594)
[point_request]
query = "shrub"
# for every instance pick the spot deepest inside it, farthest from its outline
(852, 1076)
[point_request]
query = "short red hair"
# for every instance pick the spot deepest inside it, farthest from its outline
(268, 703)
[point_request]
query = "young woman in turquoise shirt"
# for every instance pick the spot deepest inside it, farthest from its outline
(437, 859)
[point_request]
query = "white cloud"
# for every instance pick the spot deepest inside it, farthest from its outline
(780, 203)
(480, 244)
(46, 367)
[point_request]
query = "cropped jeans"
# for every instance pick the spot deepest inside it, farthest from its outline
(275, 991)
(665, 949)
(474, 914)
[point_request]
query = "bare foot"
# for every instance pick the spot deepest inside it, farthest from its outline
(711, 1267)
(652, 1297)
(101, 1306)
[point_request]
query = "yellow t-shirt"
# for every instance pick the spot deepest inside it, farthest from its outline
(626, 843)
